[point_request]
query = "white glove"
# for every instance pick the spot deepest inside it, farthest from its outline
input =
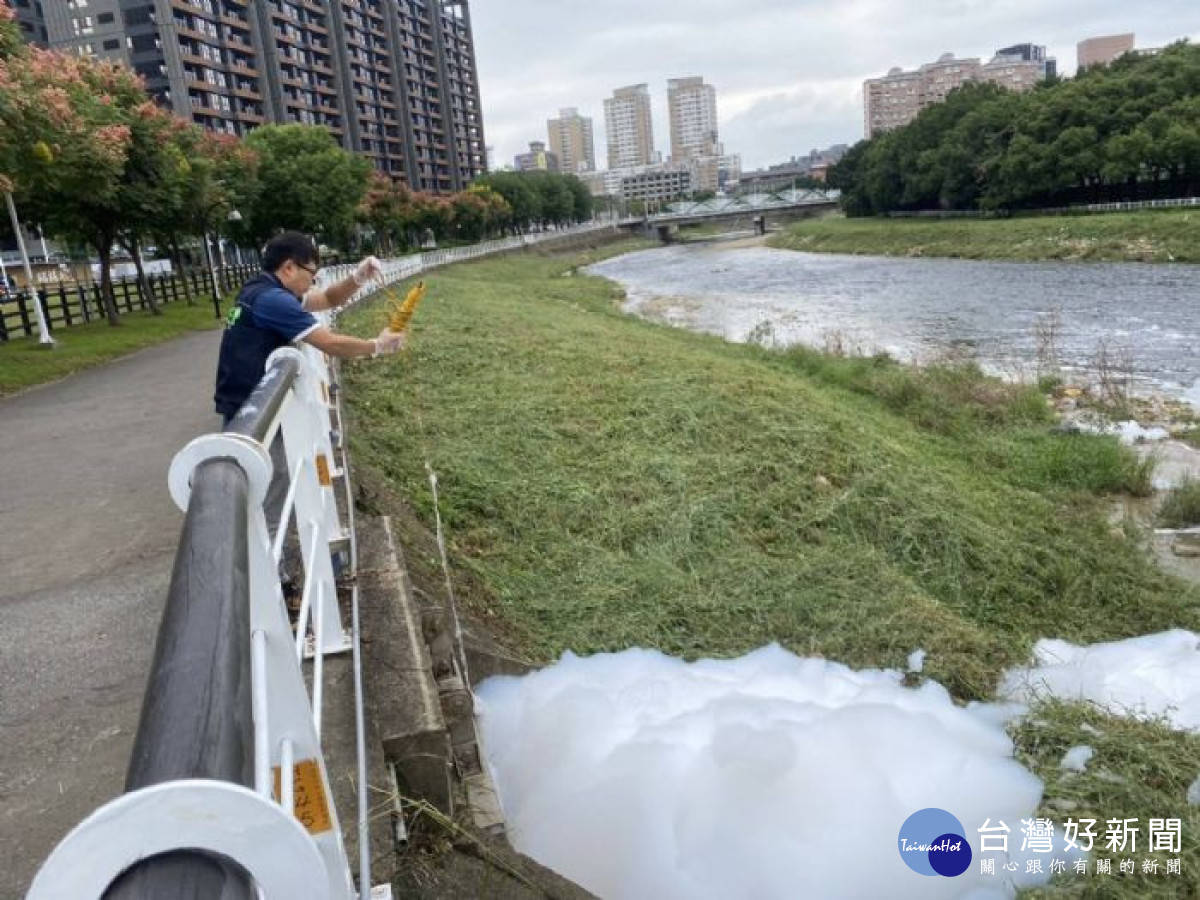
(389, 342)
(368, 270)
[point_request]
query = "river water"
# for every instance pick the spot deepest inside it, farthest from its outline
(1147, 317)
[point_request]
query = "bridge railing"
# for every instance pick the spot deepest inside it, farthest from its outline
(227, 792)
(735, 206)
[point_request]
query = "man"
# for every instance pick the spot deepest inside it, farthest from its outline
(275, 308)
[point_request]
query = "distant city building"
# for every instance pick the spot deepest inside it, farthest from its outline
(729, 170)
(940, 78)
(606, 183)
(891, 101)
(571, 141)
(630, 133)
(896, 99)
(660, 184)
(1014, 74)
(692, 106)
(1030, 53)
(395, 81)
(538, 159)
(782, 176)
(1100, 51)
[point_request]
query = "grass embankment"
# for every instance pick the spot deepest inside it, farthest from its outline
(24, 362)
(609, 483)
(1151, 236)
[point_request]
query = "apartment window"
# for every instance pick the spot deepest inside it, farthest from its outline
(140, 16)
(111, 44)
(105, 18)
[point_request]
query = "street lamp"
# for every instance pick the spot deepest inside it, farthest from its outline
(212, 275)
(234, 216)
(44, 337)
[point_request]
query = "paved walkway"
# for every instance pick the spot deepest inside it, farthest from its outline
(87, 540)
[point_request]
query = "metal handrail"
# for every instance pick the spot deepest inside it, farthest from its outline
(196, 716)
(259, 414)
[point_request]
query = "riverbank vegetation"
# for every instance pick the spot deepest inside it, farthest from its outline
(616, 483)
(1181, 506)
(1151, 236)
(1127, 131)
(607, 483)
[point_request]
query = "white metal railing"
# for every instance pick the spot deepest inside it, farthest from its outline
(282, 827)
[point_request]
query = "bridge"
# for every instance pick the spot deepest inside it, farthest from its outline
(753, 207)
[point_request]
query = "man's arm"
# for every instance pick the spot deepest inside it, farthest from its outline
(345, 346)
(337, 294)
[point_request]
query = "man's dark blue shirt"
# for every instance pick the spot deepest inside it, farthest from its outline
(265, 317)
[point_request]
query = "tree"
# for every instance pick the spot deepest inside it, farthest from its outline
(1121, 132)
(66, 121)
(523, 201)
(582, 196)
(308, 183)
(478, 212)
(152, 190)
(381, 209)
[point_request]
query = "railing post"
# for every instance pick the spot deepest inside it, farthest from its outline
(65, 302)
(23, 309)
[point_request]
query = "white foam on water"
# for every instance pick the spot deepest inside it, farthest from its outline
(638, 775)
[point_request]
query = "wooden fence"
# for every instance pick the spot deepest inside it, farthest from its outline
(76, 304)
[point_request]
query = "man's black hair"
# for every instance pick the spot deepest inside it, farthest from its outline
(289, 245)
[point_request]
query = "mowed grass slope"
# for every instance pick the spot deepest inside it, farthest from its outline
(1150, 236)
(609, 483)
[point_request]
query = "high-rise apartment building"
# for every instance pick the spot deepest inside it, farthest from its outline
(31, 18)
(1030, 53)
(538, 159)
(394, 80)
(693, 111)
(571, 141)
(891, 101)
(1102, 50)
(896, 99)
(627, 120)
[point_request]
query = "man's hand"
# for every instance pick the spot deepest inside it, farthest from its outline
(368, 270)
(390, 341)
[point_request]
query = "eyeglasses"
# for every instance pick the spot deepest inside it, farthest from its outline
(313, 271)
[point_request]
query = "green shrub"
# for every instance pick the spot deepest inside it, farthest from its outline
(1181, 506)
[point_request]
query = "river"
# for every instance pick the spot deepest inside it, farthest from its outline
(1147, 317)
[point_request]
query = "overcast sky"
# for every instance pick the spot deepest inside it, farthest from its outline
(788, 73)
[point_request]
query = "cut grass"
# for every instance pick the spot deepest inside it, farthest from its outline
(1140, 770)
(609, 483)
(615, 483)
(1150, 236)
(24, 362)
